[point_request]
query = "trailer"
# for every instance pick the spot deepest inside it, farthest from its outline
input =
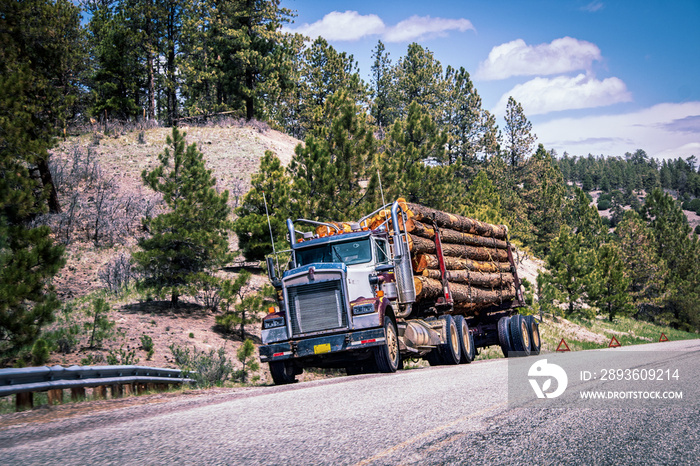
(404, 282)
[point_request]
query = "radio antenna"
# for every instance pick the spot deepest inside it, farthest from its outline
(379, 177)
(269, 227)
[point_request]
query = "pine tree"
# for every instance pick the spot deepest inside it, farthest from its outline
(246, 356)
(118, 75)
(44, 39)
(252, 45)
(679, 248)
(482, 200)
(569, 264)
(251, 226)
(471, 129)
(324, 72)
(198, 61)
(417, 79)
(329, 169)
(584, 218)
(381, 86)
(413, 163)
(241, 305)
(513, 205)
(646, 271)
(192, 236)
(544, 197)
(38, 42)
(518, 139)
(28, 257)
(608, 284)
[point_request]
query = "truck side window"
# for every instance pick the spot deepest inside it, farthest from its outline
(382, 252)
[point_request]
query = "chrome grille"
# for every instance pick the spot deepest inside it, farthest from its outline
(314, 307)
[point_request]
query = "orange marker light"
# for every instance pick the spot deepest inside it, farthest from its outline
(380, 294)
(271, 310)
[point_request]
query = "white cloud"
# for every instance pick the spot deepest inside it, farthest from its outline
(419, 27)
(544, 95)
(654, 129)
(516, 58)
(349, 26)
(593, 7)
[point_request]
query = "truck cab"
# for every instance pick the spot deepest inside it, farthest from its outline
(334, 302)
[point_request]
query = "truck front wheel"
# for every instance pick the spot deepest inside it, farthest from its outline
(387, 356)
(282, 372)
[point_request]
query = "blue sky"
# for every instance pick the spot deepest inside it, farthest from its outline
(593, 76)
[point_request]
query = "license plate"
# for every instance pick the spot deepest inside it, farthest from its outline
(324, 348)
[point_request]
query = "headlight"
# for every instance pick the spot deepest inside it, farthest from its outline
(274, 322)
(363, 309)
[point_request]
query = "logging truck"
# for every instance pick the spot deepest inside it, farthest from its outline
(404, 282)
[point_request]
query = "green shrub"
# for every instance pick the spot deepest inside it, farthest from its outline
(101, 326)
(147, 345)
(246, 356)
(693, 205)
(207, 369)
(122, 357)
(603, 204)
(40, 352)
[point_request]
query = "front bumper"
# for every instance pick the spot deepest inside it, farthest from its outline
(326, 344)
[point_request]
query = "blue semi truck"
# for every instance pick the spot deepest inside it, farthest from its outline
(349, 300)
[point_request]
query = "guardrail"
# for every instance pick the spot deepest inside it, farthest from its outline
(121, 380)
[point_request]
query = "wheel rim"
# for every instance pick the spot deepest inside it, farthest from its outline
(535, 335)
(526, 335)
(454, 339)
(392, 343)
(466, 339)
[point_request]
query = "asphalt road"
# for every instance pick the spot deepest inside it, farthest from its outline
(439, 415)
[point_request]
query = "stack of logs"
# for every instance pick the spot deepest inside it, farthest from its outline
(476, 258)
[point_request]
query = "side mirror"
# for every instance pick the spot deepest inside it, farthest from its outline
(272, 272)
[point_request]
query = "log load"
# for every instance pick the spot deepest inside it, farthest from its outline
(417, 228)
(420, 245)
(476, 257)
(457, 222)
(428, 288)
(490, 280)
(430, 261)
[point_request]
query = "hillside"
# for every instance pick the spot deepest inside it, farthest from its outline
(232, 152)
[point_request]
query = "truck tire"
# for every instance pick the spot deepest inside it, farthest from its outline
(283, 372)
(451, 350)
(466, 341)
(387, 356)
(535, 342)
(504, 335)
(519, 335)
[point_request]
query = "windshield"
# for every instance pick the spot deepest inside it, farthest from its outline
(348, 252)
